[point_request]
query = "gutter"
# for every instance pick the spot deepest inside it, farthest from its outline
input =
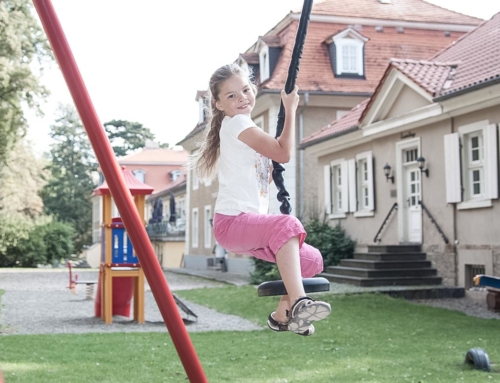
(329, 137)
(301, 156)
(472, 88)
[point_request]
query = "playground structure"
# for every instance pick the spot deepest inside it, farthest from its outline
(121, 276)
(117, 186)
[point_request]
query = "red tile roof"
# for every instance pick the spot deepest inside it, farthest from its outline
(135, 186)
(345, 124)
(471, 61)
(156, 156)
(429, 75)
(399, 10)
(316, 74)
(479, 55)
(315, 68)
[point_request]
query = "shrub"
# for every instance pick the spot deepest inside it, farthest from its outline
(332, 241)
(43, 244)
(263, 271)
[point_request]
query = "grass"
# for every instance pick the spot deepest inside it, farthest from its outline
(368, 338)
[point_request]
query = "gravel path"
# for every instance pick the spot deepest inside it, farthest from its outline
(39, 302)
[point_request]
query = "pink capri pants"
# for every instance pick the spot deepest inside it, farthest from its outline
(262, 235)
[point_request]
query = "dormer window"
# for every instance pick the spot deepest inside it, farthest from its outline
(175, 174)
(347, 54)
(140, 175)
(269, 50)
(264, 63)
(202, 106)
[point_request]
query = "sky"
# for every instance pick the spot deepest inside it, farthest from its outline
(144, 61)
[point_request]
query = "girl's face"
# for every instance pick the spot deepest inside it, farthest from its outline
(236, 96)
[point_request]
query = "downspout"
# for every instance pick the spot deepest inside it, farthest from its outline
(301, 157)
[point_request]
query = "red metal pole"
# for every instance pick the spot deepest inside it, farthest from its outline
(123, 199)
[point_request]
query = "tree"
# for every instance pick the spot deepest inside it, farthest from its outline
(126, 136)
(45, 243)
(21, 179)
(67, 194)
(21, 43)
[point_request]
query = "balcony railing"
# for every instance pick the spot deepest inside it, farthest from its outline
(165, 230)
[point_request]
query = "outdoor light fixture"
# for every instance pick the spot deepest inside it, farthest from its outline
(421, 165)
(387, 172)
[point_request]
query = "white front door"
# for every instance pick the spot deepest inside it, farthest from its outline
(412, 208)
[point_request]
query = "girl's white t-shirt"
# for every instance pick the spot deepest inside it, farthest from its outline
(243, 172)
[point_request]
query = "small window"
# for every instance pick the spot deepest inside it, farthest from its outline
(338, 197)
(336, 189)
(208, 227)
(364, 183)
(140, 175)
(175, 174)
(195, 226)
(196, 180)
(410, 155)
(347, 53)
(471, 164)
(470, 272)
(475, 164)
(264, 63)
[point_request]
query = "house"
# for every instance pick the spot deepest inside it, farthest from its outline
(166, 226)
(345, 55)
(160, 168)
(417, 162)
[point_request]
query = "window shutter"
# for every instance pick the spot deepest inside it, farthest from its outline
(490, 161)
(345, 187)
(452, 168)
(328, 189)
(353, 203)
(371, 183)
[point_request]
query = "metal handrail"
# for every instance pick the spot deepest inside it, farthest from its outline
(445, 238)
(394, 207)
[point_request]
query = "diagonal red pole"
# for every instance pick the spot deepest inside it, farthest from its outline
(121, 194)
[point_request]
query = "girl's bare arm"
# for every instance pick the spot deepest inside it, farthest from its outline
(279, 150)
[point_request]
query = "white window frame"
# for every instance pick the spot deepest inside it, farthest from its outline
(259, 121)
(195, 224)
(140, 175)
(175, 174)
(345, 40)
(207, 226)
(487, 165)
(181, 209)
(201, 107)
(364, 185)
(196, 180)
(333, 189)
(264, 63)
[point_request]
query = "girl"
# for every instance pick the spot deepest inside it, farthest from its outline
(240, 151)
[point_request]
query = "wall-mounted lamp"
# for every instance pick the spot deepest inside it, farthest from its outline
(421, 165)
(387, 172)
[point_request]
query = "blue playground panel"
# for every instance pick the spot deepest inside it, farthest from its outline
(122, 250)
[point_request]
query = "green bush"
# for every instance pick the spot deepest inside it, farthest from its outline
(263, 271)
(44, 244)
(332, 241)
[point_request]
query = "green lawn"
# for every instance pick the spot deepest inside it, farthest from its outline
(368, 338)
